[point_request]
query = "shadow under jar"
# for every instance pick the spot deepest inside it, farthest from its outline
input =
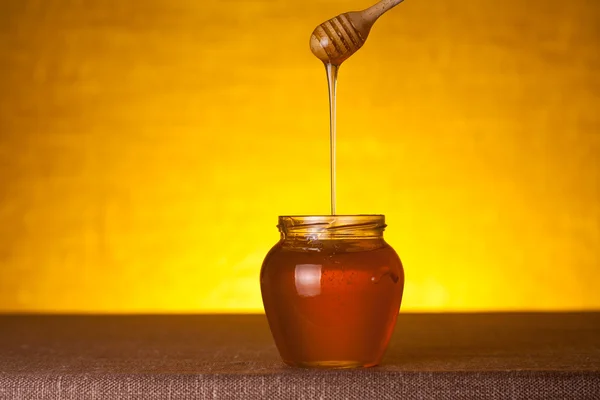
(332, 289)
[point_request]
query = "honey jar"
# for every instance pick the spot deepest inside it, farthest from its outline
(332, 289)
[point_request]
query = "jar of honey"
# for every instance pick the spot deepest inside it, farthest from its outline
(331, 289)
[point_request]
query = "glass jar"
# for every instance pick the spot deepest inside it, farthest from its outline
(331, 289)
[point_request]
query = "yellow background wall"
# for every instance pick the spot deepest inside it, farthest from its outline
(147, 148)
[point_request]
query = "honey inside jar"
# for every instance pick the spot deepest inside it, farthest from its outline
(332, 289)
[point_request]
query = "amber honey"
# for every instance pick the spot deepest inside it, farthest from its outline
(332, 289)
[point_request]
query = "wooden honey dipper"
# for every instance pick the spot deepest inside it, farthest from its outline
(337, 39)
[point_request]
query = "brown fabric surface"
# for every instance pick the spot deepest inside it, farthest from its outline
(520, 356)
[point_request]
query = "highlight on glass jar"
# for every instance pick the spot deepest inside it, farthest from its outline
(332, 289)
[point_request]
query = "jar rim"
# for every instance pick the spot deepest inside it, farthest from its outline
(330, 215)
(347, 225)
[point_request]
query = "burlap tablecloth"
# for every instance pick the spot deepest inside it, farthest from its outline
(451, 356)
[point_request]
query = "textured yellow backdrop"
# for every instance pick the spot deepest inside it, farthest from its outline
(147, 148)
